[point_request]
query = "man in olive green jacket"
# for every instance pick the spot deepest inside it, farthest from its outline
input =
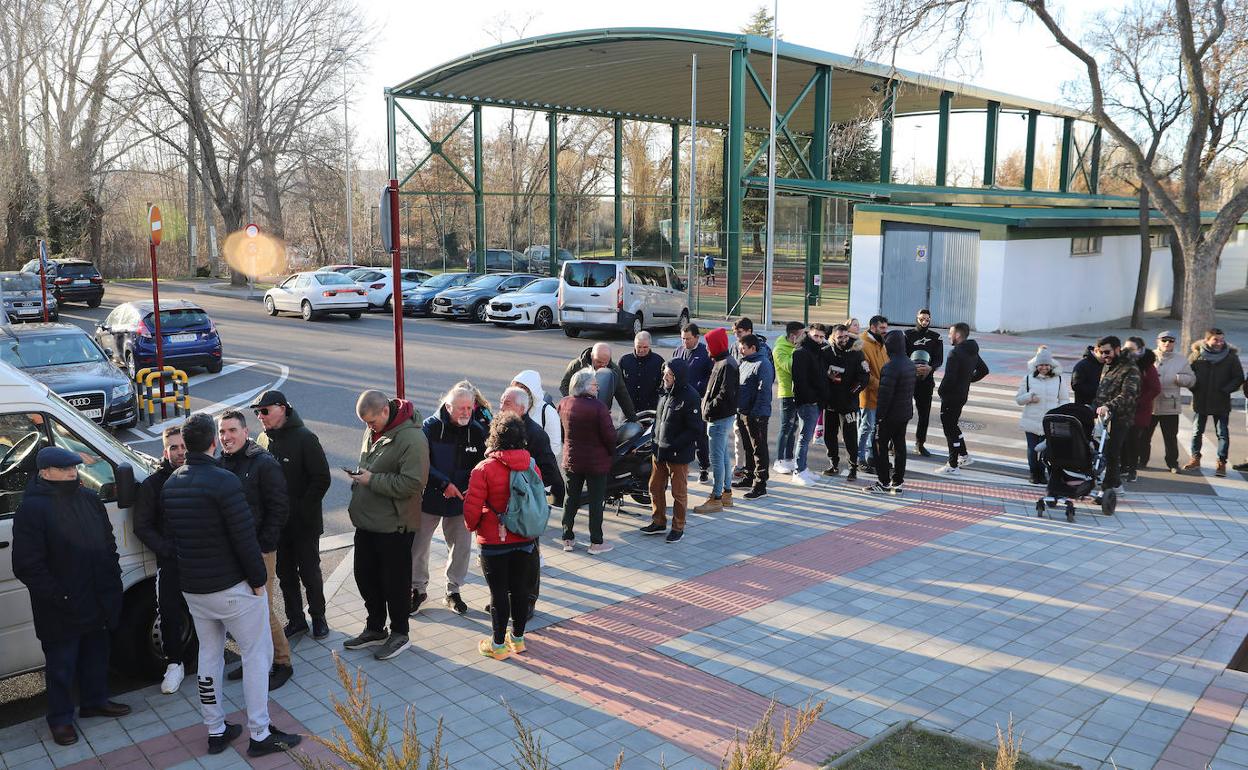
(385, 509)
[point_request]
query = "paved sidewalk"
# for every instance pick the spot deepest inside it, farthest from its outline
(953, 605)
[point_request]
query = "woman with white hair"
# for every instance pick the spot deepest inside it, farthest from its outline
(588, 451)
(1043, 388)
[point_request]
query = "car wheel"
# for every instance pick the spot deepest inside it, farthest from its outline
(683, 321)
(137, 649)
(94, 302)
(307, 312)
(130, 366)
(571, 331)
(269, 306)
(215, 366)
(638, 324)
(54, 317)
(544, 319)
(355, 315)
(479, 311)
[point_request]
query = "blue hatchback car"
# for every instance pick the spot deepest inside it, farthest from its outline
(189, 336)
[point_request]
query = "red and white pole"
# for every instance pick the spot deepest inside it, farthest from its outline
(153, 217)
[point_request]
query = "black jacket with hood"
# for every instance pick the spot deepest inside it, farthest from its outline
(810, 379)
(149, 519)
(963, 367)
(1085, 377)
(895, 400)
(678, 421)
(264, 484)
(848, 368)
(298, 451)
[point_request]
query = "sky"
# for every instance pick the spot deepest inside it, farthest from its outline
(1018, 58)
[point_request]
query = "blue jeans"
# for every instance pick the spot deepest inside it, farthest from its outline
(788, 429)
(866, 436)
(809, 416)
(1221, 428)
(1034, 465)
(718, 431)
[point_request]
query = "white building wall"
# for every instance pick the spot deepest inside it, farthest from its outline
(990, 300)
(865, 264)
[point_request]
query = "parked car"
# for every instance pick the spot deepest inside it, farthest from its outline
(188, 336)
(315, 294)
(419, 300)
(499, 261)
(621, 295)
(68, 361)
(539, 259)
(472, 300)
(71, 280)
(23, 297)
(340, 269)
(534, 304)
(32, 417)
(377, 281)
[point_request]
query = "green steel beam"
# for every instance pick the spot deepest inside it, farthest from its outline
(619, 189)
(435, 147)
(815, 204)
(552, 203)
(1068, 137)
(732, 171)
(478, 189)
(942, 139)
(886, 133)
(1094, 181)
(990, 143)
(675, 194)
(782, 123)
(1029, 162)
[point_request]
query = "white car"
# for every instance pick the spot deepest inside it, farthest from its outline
(377, 281)
(533, 305)
(314, 294)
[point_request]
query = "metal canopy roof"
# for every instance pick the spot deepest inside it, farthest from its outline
(892, 192)
(643, 73)
(1026, 218)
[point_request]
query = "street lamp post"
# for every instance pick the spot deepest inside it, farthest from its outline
(346, 153)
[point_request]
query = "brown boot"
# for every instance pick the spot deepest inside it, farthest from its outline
(1193, 463)
(1220, 469)
(712, 505)
(726, 498)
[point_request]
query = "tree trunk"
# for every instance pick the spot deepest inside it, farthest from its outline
(1200, 291)
(1146, 255)
(1179, 268)
(270, 188)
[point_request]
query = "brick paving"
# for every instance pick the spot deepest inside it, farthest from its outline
(1106, 640)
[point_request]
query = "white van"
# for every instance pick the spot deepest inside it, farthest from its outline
(623, 295)
(32, 417)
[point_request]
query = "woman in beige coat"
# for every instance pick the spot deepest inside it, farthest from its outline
(1176, 376)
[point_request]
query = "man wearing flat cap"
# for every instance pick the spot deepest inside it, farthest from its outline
(65, 553)
(299, 452)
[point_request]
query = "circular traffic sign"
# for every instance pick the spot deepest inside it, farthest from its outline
(153, 220)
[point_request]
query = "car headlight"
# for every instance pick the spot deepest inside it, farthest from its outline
(122, 391)
(519, 305)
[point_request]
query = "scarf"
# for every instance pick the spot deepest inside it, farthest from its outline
(1214, 356)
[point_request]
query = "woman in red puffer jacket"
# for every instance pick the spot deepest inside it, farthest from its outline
(509, 562)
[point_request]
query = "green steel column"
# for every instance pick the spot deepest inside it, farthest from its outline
(990, 143)
(1094, 178)
(552, 203)
(619, 189)
(815, 204)
(478, 188)
(942, 139)
(1029, 163)
(732, 171)
(886, 133)
(675, 194)
(1068, 137)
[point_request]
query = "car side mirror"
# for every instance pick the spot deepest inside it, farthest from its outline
(126, 489)
(109, 353)
(680, 285)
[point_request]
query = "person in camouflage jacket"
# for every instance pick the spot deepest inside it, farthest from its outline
(1115, 400)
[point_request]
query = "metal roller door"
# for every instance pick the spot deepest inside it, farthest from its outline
(932, 267)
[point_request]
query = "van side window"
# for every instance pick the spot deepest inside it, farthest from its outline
(22, 435)
(647, 276)
(96, 473)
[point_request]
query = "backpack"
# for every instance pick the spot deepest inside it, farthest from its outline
(527, 510)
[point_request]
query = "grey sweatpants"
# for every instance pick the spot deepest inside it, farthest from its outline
(458, 540)
(246, 617)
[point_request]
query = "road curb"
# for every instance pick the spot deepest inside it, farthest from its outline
(215, 292)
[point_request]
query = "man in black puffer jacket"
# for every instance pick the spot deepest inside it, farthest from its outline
(223, 580)
(894, 406)
(298, 451)
(810, 393)
(677, 425)
(1086, 376)
(264, 485)
(962, 367)
(847, 373)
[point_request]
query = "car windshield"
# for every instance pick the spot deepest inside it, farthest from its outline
(487, 281)
(19, 281)
(440, 281)
(589, 275)
(49, 350)
(333, 279)
(182, 318)
(543, 286)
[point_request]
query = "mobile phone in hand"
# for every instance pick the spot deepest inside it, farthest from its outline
(351, 472)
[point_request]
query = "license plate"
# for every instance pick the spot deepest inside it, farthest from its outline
(572, 315)
(182, 338)
(82, 282)
(94, 414)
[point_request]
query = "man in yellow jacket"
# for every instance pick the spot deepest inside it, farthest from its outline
(875, 354)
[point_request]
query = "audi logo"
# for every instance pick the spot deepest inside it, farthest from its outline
(79, 401)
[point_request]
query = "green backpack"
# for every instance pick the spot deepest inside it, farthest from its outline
(527, 510)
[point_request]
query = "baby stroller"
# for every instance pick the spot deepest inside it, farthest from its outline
(1075, 459)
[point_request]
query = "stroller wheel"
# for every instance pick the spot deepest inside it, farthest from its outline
(1070, 512)
(1039, 508)
(1109, 502)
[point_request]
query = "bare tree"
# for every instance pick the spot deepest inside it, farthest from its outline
(1206, 37)
(20, 36)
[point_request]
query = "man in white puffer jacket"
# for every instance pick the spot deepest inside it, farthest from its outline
(1043, 388)
(542, 412)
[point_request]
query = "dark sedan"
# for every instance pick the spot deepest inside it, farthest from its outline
(472, 300)
(23, 297)
(189, 337)
(68, 361)
(419, 300)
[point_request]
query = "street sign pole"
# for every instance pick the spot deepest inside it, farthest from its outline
(43, 278)
(153, 219)
(396, 285)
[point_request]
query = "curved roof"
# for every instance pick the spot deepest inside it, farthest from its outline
(644, 73)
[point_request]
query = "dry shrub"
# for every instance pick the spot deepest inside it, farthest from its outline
(760, 750)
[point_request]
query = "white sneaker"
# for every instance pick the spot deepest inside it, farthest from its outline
(568, 545)
(597, 548)
(174, 675)
(782, 466)
(805, 478)
(965, 460)
(948, 470)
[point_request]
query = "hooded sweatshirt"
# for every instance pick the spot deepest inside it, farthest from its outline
(962, 367)
(1052, 390)
(782, 359)
(873, 351)
(306, 469)
(720, 400)
(542, 409)
(895, 397)
(678, 420)
(756, 376)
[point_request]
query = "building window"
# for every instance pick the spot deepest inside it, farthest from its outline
(1159, 240)
(1085, 246)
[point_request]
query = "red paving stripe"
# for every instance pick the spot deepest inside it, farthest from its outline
(979, 490)
(1203, 733)
(607, 657)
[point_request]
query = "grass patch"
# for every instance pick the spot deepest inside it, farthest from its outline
(915, 749)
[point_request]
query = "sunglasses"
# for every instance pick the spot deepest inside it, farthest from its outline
(1166, 339)
(263, 410)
